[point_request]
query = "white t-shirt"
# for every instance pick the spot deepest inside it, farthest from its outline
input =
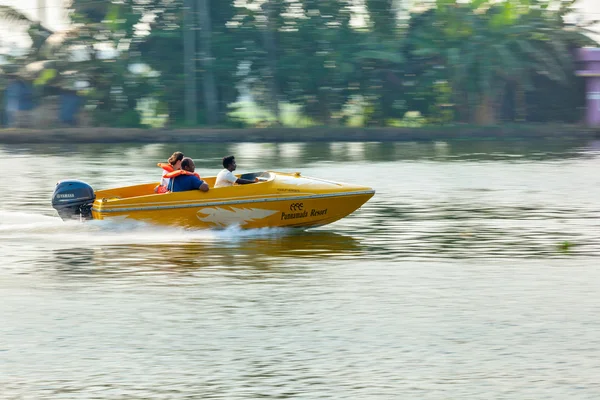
(225, 178)
(164, 181)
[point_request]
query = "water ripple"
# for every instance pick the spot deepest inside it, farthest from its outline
(472, 273)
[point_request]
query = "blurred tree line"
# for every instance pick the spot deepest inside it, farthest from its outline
(337, 62)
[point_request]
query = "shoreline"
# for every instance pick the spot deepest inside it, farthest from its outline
(282, 135)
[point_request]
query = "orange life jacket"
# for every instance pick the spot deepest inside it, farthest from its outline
(174, 174)
(166, 166)
(170, 173)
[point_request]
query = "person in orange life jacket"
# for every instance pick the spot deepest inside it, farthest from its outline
(174, 164)
(185, 179)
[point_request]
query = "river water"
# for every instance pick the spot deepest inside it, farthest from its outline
(472, 273)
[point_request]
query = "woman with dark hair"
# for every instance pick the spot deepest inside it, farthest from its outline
(174, 164)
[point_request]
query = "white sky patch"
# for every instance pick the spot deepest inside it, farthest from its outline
(14, 35)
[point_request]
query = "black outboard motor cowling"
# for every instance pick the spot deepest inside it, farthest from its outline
(73, 200)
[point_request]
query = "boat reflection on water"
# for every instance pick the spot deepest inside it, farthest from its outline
(270, 253)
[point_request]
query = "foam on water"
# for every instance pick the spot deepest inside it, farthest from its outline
(43, 230)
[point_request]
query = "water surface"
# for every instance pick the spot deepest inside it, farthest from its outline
(472, 273)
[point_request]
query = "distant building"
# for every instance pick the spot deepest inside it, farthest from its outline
(589, 58)
(20, 108)
(18, 96)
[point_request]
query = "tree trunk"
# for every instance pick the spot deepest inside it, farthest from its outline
(189, 63)
(324, 110)
(465, 105)
(485, 112)
(271, 47)
(520, 104)
(206, 59)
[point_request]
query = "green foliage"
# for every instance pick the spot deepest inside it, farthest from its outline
(382, 17)
(479, 61)
(441, 110)
(163, 49)
(565, 246)
(304, 51)
(45, 76)
(487, 47)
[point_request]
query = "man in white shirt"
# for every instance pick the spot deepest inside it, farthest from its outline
(226, 176)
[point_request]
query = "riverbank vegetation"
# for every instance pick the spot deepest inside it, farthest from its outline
(529, 132)
(305, 63)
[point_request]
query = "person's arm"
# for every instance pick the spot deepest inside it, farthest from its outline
(197, 184)
(234, 179)
(162, 185)
(200, 184)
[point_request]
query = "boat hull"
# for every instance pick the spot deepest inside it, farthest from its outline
(298, 211)
(284, 200)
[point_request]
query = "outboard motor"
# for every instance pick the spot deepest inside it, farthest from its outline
(73, 200)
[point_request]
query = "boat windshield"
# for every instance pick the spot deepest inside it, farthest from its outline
(263, 176)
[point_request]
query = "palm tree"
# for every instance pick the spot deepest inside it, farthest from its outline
(484, 51)
(37, 32)
(37, 64)
(206, 59)
(269, 32)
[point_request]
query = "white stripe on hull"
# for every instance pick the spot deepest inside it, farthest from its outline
(233, 202)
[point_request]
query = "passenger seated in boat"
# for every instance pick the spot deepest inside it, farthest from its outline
(226, 176)
(186, 179)
(173, 164)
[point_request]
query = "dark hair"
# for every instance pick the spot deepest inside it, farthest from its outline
(227, 161)
(186, 163)
(177, 156)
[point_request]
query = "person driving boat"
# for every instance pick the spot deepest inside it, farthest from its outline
(226, 176)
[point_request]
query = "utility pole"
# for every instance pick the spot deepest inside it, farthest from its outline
(41, 6)
(269, 32)
(189, 63)
(208, 75)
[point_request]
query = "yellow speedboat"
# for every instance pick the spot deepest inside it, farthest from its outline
(277, 200)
